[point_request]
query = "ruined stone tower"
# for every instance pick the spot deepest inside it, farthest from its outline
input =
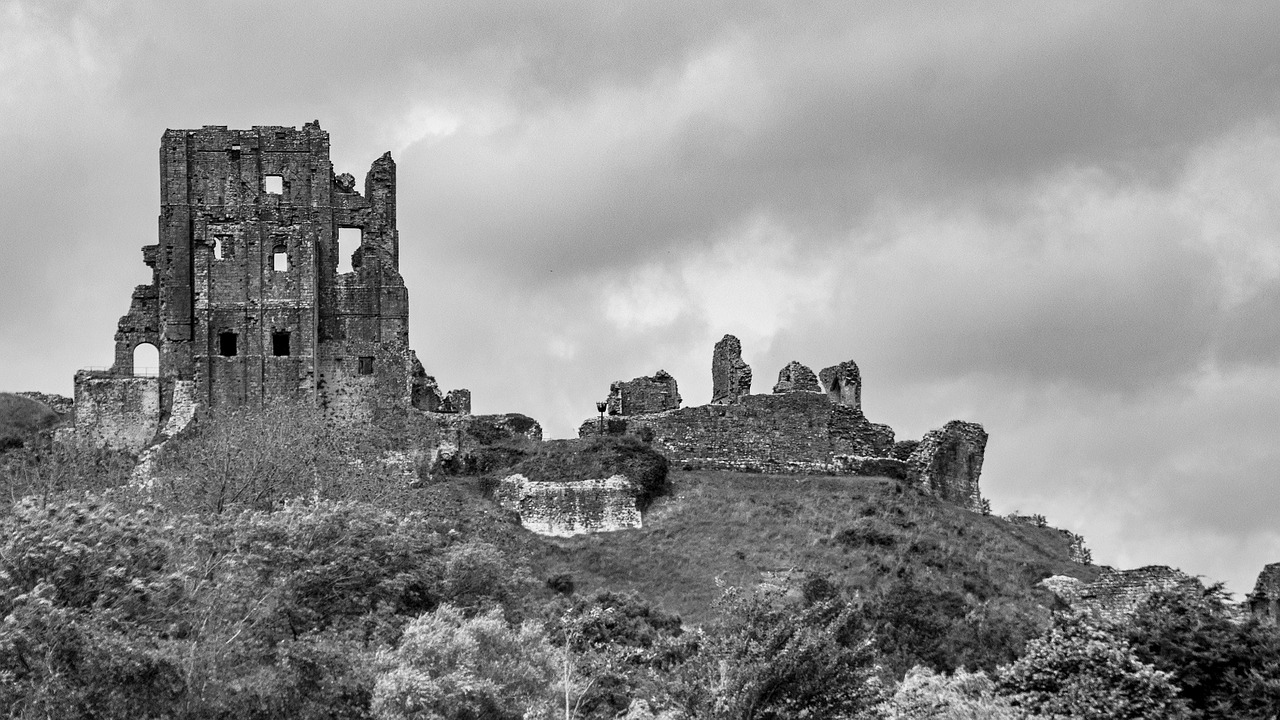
(273, 278)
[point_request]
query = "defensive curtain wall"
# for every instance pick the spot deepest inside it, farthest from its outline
(273, 279)
(810, 423)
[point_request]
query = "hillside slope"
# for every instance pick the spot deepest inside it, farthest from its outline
(865, 534)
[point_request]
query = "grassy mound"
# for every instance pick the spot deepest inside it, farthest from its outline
(917, 563)
(22, 417)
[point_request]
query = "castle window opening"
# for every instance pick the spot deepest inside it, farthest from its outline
(146, 359)
(280, 258)
(349, 239)
(273, 184)
(366, 365)
(227, 344)
(280, 344)
(218, 248)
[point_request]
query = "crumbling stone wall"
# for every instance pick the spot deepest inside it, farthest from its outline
(249, 300)
(643, 395)
(791, 432)
(843, 384)
(563, 509)
(116, 412)
(1264, 601)
(809, 425)
(1116, 594)
(730, 376)
(948, 462)
(796, 378)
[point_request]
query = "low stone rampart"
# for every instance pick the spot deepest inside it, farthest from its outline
(121, 412)
(790, 432)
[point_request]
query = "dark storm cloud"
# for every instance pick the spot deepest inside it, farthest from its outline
(837, 111)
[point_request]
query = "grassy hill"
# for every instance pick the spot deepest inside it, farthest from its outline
(865, 534)
(22, 417)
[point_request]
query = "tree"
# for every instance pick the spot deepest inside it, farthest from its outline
(452, 667)
(775, 654)
(1081, 670)
(624, 649)
(1225, 669)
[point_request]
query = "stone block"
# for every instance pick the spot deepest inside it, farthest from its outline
(843, 384)
(948, 463)
(117, 411)
(644, 395)
(796, 378)
(730, 376)
(1264, 601)
(563, 509)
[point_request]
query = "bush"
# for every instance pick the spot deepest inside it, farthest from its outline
(450, 666)
(1225, 669)
(1082, 670)
(926, 695)
(773, 655)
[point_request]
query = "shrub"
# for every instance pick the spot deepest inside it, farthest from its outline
(1225, 669)
(926, 695)
(1082, 670)
(772, 655)
(451, 666)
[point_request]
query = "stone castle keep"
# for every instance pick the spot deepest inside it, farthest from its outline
(273, 279)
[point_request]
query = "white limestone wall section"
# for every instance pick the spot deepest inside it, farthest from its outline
(564, 509)
(117, 412)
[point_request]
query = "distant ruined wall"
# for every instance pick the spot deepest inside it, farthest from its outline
(730, 376)
(563, 509)
(1264, 601)
(792, 432)
(810, 424)
(117, 412)
(643, 395)
(948, 462)
(1116, 594)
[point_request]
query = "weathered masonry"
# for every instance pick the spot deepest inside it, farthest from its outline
(811, 423)
(273, 278)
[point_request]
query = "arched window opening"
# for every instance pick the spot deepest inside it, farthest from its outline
(146, 359)
(280, 258)
(217, 248)
(349, 240)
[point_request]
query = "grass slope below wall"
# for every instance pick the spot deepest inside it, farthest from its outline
(863, 533)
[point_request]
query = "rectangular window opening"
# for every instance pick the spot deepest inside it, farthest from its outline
(227, 344)
(366, 365)
(273, 184)
(280, 344)
(280, 259)
(349, 239)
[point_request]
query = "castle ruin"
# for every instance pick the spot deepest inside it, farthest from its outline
(273, 279)
(811, 423)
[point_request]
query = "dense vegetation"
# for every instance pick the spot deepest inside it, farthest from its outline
(279, 567)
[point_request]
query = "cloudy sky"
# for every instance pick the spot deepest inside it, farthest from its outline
(1061, 220)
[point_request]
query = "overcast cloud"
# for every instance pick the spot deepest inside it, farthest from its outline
(1061, 220)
